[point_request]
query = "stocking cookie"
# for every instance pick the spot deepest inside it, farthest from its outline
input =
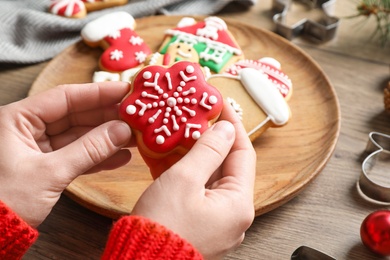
(168, 109)
(123, 48)
(211, 38)
(79, 8)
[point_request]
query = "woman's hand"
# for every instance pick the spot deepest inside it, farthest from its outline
(49, 139)
(207, 197)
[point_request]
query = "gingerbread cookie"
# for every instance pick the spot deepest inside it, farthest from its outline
(79, 8)
(123, 48)
(255, 98)
(168, 108)
(211, 39)
(175, 52)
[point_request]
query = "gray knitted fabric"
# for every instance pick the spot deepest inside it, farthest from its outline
(30, 34)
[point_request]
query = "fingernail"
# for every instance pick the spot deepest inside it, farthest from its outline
(225, 129)
(119, 134)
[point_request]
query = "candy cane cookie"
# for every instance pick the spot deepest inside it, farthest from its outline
(79, 8)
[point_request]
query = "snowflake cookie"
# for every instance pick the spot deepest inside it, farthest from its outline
(169, 108)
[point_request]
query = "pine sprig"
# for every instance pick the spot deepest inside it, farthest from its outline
(380, 10)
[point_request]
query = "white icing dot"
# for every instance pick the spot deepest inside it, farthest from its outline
(176, 94)
(171, 102)
(190, 69)
(144, 94)
(165, 120)
(147, 75)
(168, 109)
(155, 104)
(194, 101)
(182, 83)
(186, 100)
(213, 100)
(179, 113)
(166, 114)
(131, 110)
(196, 135)
(179, 100)
(151, 120)
(179, 89)
(160, 139)
(160, 91)
(184, 119)
(165, 95)
(149, 106)
(162, 103)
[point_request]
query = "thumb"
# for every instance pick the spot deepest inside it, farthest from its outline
(93, 148)
(208, 153)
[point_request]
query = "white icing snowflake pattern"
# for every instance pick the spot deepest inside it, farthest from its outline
(115, 35)
(174, 106)
(136, 40)
(116, 55)
(140, 56)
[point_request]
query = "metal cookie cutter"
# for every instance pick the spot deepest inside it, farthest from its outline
(376, 163)
(321, 30)
(308, 253)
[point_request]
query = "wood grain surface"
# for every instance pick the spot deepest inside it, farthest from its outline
(326, 215)
(289, 157)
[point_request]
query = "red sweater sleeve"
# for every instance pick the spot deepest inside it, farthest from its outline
(135, 237)
(16, 236)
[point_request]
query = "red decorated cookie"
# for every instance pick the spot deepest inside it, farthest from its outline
(169, 108)
(269, 66)
(211, 38)
(68, 8)
(114, 32)
(79, 8)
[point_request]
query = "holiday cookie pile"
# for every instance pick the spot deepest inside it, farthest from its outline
(178, 91)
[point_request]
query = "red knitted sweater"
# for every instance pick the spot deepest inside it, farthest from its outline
(132, 237)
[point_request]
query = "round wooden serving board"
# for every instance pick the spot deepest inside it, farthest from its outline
(288, 158)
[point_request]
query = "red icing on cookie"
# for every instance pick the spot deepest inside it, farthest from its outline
(269, 66)
(66, 8)
(171, 106)
(127, 50)
(212, 28)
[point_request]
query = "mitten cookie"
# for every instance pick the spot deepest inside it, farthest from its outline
(123, 48)
(211, 38)
(168, 108)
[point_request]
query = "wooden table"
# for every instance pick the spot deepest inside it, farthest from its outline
(326, 215)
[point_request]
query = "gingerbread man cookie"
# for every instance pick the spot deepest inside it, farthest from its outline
(123, 48)
(175, 52)
(211, 38)
(168, 108)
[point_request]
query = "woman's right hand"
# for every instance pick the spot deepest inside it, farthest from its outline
(207, 196)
